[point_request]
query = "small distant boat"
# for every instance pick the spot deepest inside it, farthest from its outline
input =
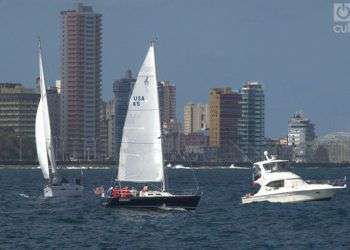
(141, 157)
(55, 185)
(274, 184)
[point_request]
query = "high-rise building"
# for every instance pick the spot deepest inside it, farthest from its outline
(54, 101)
(107, 131)
(110, 116)
(225, 111)
(196, 117)
(334, 147)
(103, 147)
(81, 44)
(122, 89)
(18, 106)
(172, 140)
(167, 102)
(252, 122)
(301, 133)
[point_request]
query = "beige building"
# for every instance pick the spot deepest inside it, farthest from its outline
(196, 117)
(224, 112)
(18, 107)
(107, 131)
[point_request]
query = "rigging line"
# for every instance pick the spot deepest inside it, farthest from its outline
(192, 170)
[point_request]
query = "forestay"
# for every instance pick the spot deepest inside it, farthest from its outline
(141, 158)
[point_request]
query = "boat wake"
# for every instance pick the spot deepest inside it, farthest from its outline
(24, 195)
(180, 167)
(180, 209)
(235, 167)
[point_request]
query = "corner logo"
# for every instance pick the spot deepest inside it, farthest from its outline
(341, 17)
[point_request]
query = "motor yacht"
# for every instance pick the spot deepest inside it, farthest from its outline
(275, 184)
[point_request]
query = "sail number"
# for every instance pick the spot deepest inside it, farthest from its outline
(136, 100)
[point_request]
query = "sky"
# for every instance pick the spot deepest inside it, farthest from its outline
(288, 46)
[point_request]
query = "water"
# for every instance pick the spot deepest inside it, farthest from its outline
(28, 221)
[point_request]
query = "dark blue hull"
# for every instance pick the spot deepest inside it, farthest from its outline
(189, 202)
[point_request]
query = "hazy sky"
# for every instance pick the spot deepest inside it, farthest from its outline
(289, 46)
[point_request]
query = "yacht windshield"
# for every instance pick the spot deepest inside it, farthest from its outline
(256, 172)
(276, 166)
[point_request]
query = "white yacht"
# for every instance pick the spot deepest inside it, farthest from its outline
(275, 184)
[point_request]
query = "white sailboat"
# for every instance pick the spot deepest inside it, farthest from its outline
(141, 156)
(54, 184)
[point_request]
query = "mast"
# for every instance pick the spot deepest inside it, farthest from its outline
(153, 42)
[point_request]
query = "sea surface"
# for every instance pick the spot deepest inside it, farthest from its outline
(28, 221)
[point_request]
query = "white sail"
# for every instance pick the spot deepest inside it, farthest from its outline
(141, 158)
(41, 142)
(43, 138)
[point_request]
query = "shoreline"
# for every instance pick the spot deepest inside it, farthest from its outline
(197, 165)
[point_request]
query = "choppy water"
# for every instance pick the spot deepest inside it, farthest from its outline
(28, 221)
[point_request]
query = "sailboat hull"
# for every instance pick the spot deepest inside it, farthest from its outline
(189, 202)
(63, 190)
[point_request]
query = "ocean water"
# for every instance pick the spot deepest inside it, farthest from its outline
(27, 221)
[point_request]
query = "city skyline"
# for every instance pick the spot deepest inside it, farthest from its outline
(294, 51)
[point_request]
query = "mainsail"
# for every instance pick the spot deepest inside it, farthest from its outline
(43, 138)
(141, 157)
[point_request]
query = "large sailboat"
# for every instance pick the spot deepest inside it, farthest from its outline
(54, 184)
(141, 156)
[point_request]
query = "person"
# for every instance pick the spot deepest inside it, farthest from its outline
(133, 191)
(144, 191)
(115, 192)
(100, 191)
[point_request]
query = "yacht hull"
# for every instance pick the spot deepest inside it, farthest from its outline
(189, 202)
(295, 196)
(63, 190)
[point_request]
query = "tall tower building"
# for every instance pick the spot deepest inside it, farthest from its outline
(103, 146)
(53, 99)
(196, 117)
(110, 116)
(81, 81)
(167, 102)
(122, 89)
(252, 123)
(225, 111)
(301, 132)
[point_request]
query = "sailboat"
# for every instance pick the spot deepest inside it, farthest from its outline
(141, 156)
(54, 184)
